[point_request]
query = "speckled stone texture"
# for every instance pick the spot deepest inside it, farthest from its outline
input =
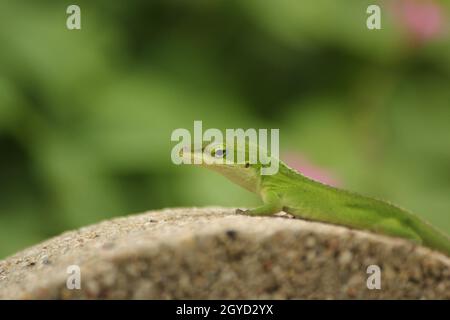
(212, 253)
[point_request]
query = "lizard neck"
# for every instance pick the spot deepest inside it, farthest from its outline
(248, 179)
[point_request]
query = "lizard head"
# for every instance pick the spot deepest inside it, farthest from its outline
(239, 162)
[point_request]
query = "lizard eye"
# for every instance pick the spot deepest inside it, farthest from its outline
(220, 153)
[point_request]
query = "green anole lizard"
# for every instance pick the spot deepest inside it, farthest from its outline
(291, 192)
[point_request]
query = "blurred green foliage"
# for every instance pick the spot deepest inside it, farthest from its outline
(86, 116)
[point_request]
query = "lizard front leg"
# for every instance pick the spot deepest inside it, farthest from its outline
(272, 204)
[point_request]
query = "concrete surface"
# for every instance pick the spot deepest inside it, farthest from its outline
(206, 253)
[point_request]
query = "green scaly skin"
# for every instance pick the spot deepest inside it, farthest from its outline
(291, 192)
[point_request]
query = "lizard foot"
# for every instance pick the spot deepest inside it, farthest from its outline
(239, 211)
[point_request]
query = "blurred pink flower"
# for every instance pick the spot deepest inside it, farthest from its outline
(423, 19)
(301, 164)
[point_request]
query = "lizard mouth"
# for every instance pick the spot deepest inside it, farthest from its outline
(190, 155)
